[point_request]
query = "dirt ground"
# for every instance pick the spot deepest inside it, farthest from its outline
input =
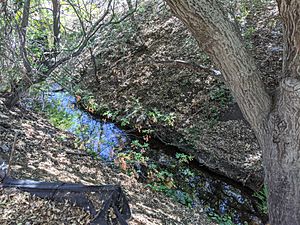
(45, 153)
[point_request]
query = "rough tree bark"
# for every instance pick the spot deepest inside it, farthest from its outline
(282, 148)
(56, 23)
(275, 120)
(25, 82)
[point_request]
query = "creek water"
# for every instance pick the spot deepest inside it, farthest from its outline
(224, 200)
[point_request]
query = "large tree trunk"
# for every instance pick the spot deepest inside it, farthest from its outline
(275, 121)
(281, 148)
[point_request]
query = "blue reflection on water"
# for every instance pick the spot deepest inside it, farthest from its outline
(223, 207)
(102, 137)
(237, 196)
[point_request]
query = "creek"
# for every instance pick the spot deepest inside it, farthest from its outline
(224, 200)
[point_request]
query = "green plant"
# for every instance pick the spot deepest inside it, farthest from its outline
(182, 197)
(156, 116)
(164, 175)
(184, 158)
(152, 166)
(61, 138)
(221, 94)
(124, 121)
(178, 195)
(57, 117)
(187, 172)
(221, 219)
(94, 154)
(161, 178)
(169, 119)
(139, 157)
(249, 32)
(262, 197)
(135, 144)
(127, 160)
(111, 114)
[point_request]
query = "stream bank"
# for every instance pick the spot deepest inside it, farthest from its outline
(151, 79)
(43, 152)
(160, 167)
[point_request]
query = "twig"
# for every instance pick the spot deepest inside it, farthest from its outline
(181, 63)
(11, 154)
(184, 64)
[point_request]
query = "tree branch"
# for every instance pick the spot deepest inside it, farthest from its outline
(56, 24)
(22, 36)
(185, 64)
(95, 28)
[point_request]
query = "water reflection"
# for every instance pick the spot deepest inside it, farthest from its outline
(99, 136)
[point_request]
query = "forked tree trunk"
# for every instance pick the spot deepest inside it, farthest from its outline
(281, 150)
(275, 121)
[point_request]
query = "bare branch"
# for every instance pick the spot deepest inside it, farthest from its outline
(95, 28)
(185, 64)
